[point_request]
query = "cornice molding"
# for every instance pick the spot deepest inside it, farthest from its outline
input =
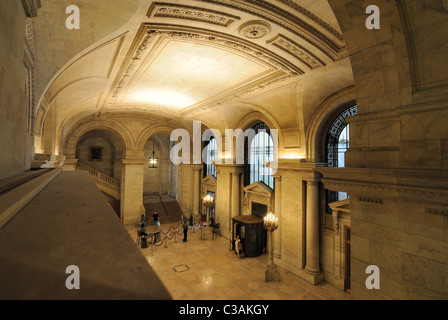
(290, 22)
(382, 190)
(297, 51)
(178, 11)
(313, 17)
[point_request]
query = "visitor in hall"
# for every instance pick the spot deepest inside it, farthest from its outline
(143, 231)
(143, 219)
(238, 246)
(155, 218)
(185, 231)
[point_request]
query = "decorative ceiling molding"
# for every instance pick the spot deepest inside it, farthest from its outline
(178, 11)
(50, 97)
(313, 17)
(296, 50)
(254, 29)
(239, 92)
(290, 22)
(280, 69)
(223, 40)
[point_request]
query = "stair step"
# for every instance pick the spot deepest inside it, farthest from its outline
(173, 211)
(42, 156)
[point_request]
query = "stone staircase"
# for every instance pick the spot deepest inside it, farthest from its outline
(105, 183)
(39, 160)
(166, 206)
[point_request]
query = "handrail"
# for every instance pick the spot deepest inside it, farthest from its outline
(164, 208)
(99, 175)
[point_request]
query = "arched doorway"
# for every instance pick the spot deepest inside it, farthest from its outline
(160, 179)
(100, 153)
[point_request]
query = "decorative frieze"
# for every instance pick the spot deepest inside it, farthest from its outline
(296, 50)
(177, 11)
(370, 200)
(290, 22)
(312, 16)
(437, 211)
(365, 189)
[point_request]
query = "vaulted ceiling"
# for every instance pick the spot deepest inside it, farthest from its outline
(178, 60)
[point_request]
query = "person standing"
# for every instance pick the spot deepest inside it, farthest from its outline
(155, 218)
(143, 219)
(185, 231)
(238, 246)
(191, 220)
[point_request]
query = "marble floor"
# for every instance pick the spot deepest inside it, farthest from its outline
(208, 270)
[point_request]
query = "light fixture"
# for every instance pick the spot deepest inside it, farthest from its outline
(271, 224)
(153, 159)
(208, 201)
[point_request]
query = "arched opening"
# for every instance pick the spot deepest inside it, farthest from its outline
(160, 178)
(100, 153)
(337, 143)
(259, 150)
(211, 152)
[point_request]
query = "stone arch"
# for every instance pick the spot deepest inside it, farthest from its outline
(321, 121)
(112, 126)
(149, 132)
(252, 118)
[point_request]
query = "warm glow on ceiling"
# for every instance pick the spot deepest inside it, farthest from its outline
(162, 98)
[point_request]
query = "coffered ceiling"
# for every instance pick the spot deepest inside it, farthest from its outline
(200, 60)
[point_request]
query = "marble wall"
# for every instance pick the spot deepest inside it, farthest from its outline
(15, 157)
(397, 175)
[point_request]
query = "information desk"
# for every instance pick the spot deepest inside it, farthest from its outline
(252, 235)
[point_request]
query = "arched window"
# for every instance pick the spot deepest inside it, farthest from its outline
(259, 151)
(211, 152)
(337, 142)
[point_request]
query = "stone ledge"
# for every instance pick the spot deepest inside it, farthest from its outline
(70, 223)
(14, 200)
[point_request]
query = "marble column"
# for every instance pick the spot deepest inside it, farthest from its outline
(278, 214)
(312, 227)
(132, 190)
(235, 198)
(197, 169)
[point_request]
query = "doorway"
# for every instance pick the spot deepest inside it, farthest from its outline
(348, 248)
(261, 210)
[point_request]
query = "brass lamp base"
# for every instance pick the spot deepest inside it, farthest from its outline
(272, 273)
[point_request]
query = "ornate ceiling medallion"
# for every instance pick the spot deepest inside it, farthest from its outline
(255, 29)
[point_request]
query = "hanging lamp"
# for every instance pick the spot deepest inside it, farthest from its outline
(153, 159)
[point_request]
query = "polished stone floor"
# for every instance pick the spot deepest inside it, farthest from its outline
(208, 270)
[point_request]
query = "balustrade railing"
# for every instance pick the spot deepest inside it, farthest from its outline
(98, 175)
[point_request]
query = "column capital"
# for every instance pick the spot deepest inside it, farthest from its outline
(313, 177)
(135, 161)
(197, 167)
(230, 168)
